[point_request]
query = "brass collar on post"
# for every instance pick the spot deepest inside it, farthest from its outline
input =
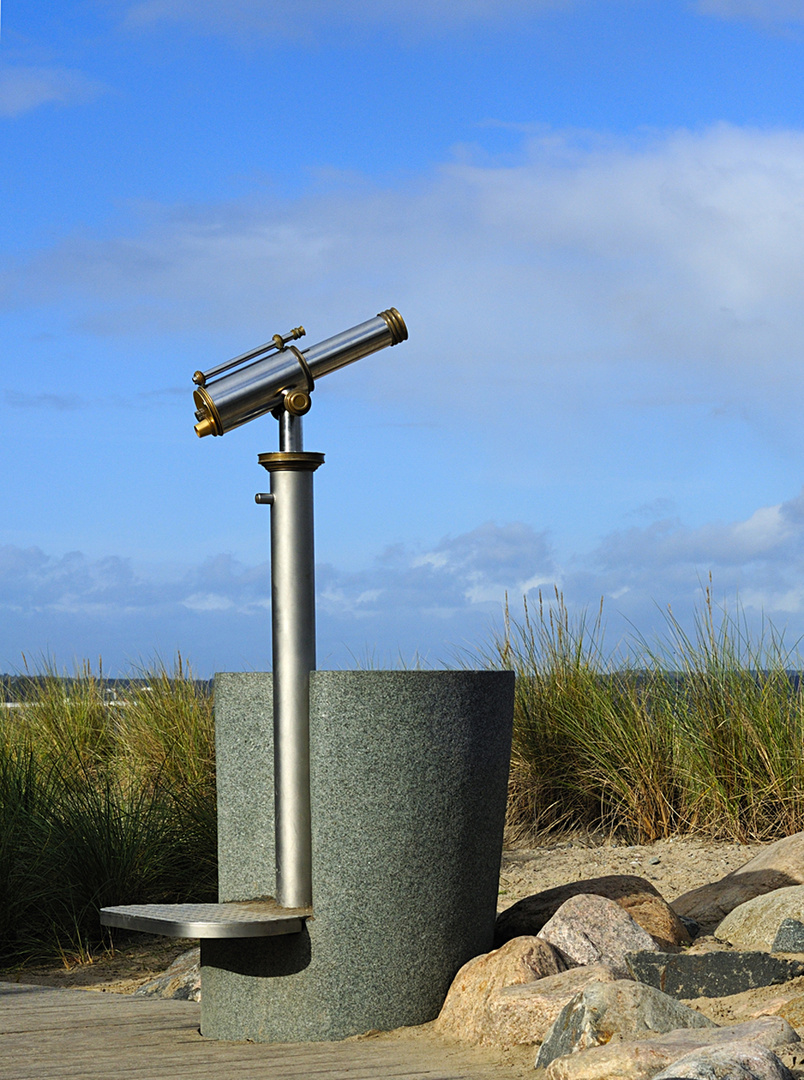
(299, 461)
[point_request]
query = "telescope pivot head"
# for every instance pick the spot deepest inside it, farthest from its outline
(297, 402)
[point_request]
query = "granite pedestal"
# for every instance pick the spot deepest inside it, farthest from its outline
(409, 775)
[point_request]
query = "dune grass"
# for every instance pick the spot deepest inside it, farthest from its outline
(105, 802)
(102, 802)
(697, 734)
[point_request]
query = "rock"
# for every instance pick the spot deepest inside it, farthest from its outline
(589, 929)
(522, 1015)
(754, 924)
(642, 1059)
(521, 960)
(779, 865)
(790, 1056)
(601, 1011)
(692, 927)
(781, 999)
(789, 936)
(713, 974)
(639, 898)
(793, 1011)
(737, 1061)
(182, 980)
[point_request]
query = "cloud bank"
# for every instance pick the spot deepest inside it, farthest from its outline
(409, 602)
(672, 263)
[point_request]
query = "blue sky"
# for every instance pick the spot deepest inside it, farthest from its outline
(591, 216)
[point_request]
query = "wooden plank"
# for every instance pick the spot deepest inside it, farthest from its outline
(50, 1034)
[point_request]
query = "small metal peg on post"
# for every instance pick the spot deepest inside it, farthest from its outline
(263, 498)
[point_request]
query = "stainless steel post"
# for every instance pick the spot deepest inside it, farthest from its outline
(293, 627)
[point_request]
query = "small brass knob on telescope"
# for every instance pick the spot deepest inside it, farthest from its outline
(297, 402)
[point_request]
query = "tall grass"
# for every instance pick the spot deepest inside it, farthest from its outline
(105, 803)
(102, 802)
(702, 733)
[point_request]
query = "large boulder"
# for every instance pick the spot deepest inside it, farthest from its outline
(522, 1015)
(590, 929)
(623, 1008)
(642, 1059)
(737, 1061)
(755, 924)
(521, 960)
(640, 899)
(777, 866)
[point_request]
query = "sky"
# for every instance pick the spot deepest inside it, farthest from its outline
(590, 214)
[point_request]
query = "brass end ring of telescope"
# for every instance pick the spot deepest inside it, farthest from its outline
(396, 324)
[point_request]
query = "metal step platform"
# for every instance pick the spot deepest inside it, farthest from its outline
(244, 919)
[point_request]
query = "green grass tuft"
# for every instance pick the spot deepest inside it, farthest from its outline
(700, 734)
(102, 802)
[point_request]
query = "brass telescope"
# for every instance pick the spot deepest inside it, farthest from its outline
(278, 376)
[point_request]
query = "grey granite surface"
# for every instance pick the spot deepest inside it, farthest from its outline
(244, 752)
(408, 781)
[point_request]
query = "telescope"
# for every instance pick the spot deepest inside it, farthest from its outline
(279, 376)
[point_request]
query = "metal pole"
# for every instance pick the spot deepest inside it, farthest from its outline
(291, 439)
(293, 632)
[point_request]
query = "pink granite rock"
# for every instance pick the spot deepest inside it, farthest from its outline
(590, 929)
(521, 960)
(636, 895)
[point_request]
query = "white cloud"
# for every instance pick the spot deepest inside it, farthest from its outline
(581, 269)
(23, 89)
(713, 216)
(208, 602)
(474, 569)
(757, 564)
(307, 18)
(759, 10)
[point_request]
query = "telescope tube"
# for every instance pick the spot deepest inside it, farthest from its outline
(261, 386)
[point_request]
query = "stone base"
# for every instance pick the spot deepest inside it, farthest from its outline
(409, 774)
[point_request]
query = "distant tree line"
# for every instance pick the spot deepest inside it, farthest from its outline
(20, 688)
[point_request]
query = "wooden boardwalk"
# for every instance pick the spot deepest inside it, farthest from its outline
(50, 1034)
